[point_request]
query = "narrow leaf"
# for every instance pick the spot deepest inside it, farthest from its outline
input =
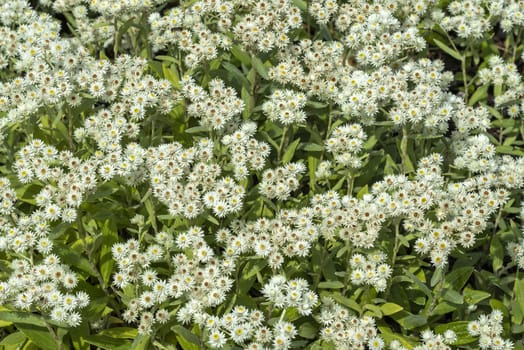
(456, 55)
(38, 335)
(290, 151)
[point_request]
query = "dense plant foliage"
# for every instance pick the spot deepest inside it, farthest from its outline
(270, 174)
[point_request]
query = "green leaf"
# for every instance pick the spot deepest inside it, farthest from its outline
(21, 317)
(312, 163)
(350, 303)
(197, 129)
(364, 190)
(120, 332)
(236, 75)
(150, 208)
(458, 277)
(38, 335)
(509, 150)
(301, 4)
(456, 55)
(412, 321)
(443, 308)
(74, 259)
(436, 277)
(480, 94)
(249, 102)
(321, 345)
(390, 308)
(166, 58)
(259, 67)
(104, 190)
(186, 339)
(389, 336)
(308, 330)
(496, 251)
(253, 267)
(17, 338)
(110, 237)
(313, 147)
(290, 151)
(212, 220)
(171, 74)
(375, 310)
(453, 296)
(419, 284)
(108, 343)
(391, 166)
(499, 305)
(77, 336)
(331, 285)
(497, 90)
(241, 55)
(461, 330)
(472, 296)
(141, 342)
(518, 295)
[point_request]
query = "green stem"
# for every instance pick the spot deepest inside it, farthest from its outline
(436, 295)
(70, 129)
(59, 344)
(395, 252)
(282, 315)
(465, 79)
(330, 121)
(282, 143)
(348, 267)
(115, 39)
(351, 182)
(404, 148)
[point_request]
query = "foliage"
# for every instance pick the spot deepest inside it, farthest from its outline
(261, 174)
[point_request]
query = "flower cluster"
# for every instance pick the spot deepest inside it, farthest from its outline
(371, 270)
(200, 276)
(201, 30)
(98, 21)
(290, 234)
(285, 106)
(41, 286)
(304, 66)
(374, 34)
(186, 186)
(476, 154)
(427, 102)
(185, 29)
(322, 11)
(280, 182)
(489, 329)
(247, 153)
(345, 143)
(293, 293)
(7, 195)
(64, 76)
(214, 109)
(247, 328)
(267, 24)
(470, 20)
(505, 76)
(67, 178)
(345, 331)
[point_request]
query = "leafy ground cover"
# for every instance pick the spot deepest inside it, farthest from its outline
(273, 174)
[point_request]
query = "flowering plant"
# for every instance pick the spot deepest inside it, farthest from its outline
(273, 174)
